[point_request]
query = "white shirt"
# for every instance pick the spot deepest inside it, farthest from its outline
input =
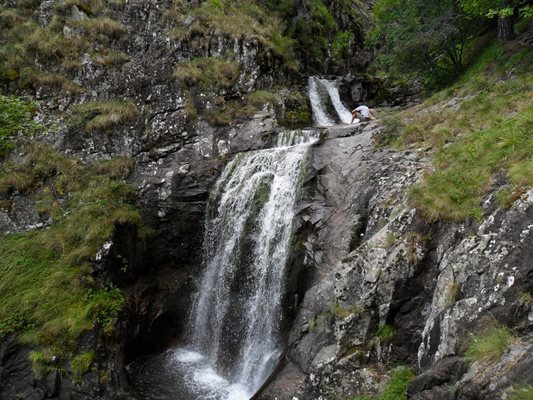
(364, 111)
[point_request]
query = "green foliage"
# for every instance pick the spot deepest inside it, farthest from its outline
(490, 346)
(259, 98)
(421, 38)
(472, 139)
(81, 364)
(102, 115)
(398, 383)
(496, 8)
(46, 285)
(209, 73)
(98, 26)
(397, 386)
(15, 116)
(521, 393)
(297, 111)
(386, 333)
(217, 18)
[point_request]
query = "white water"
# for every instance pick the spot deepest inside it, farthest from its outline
(317, 97)
(235, 325)
(332, 87)
(320, 114)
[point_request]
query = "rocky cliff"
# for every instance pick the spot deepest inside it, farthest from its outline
(177, 91)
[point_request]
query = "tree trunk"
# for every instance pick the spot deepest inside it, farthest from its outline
(505, 28)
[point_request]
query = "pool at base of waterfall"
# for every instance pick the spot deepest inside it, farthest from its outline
(181, 374)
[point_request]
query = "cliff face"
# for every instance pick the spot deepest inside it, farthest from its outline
(374, 283)
(392, 289)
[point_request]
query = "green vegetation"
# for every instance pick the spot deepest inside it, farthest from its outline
(209, 73)
(81, 364)
(422, 39)
(386, 333)
(15, 117)
(47, 289)
(490, 346)
(341, 311)
(397, 386)
(478, 127)
(218, 18)
(100, 26)
(102, 115)
(521, 393)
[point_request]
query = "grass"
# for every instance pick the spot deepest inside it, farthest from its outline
(396, 388)
(386, 333)
(475, 129)
(105, 26)
(490, 346)
(16, 115)
(218, 18)
(47, 288)
(521, 393)
(81, 364)
(103, 115)
(209, 73)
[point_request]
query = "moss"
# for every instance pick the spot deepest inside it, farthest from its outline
(397, 387)
(342, 312)
(524, 392)
(103, 115)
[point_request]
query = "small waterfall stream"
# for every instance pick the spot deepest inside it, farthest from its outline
(322, 91)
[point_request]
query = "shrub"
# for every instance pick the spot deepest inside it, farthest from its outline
(490, 346)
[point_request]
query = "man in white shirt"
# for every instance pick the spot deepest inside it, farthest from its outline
(365, 113)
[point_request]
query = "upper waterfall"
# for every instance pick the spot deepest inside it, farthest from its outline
(321, 93)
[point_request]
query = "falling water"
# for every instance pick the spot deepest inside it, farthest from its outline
(320, 114)
(236, 321)
(333, 90)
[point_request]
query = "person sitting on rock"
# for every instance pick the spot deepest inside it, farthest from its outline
(365, 113)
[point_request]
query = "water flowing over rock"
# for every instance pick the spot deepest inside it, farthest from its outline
(325, 101)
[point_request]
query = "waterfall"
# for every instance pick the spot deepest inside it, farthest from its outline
(235, 325)
(317, 105)
(332, 87)
(318, 101)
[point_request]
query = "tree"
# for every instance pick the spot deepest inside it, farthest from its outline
(426, 37)
(504, 10)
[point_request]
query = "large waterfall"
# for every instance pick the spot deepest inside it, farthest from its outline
(322, 92)
(235, 328)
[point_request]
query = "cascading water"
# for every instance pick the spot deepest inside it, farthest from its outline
(235, 330)
(332, 87)
(322, 91)
(320, 114)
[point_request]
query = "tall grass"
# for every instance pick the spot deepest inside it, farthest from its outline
(46, 286)
(102, 115)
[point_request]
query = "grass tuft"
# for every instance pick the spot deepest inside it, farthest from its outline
(102, 115)
(208, 73)
(490, 346)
